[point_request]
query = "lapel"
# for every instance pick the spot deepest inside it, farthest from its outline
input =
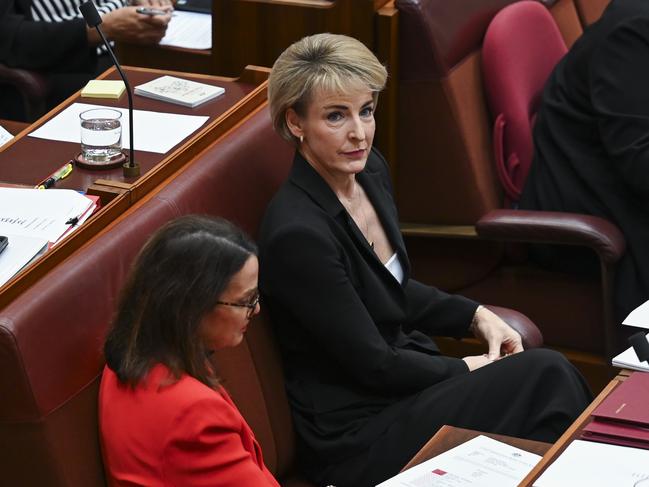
(308, 179)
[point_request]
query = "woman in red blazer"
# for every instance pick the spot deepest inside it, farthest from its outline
(164, 419)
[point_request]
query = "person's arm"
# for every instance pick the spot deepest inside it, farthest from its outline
(305, 272)
(28, 44)
(619, 80)
(206, 448)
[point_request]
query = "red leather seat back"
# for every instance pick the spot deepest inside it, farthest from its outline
(50, 360)
(521, 47)
(51, 336)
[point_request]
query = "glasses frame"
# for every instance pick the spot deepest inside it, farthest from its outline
(251, 306)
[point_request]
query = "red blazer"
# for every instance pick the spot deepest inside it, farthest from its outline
(183, 434)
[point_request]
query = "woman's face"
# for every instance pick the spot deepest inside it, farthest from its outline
(337, 130)
(225, 325)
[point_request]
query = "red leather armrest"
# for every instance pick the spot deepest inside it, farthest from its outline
(554, 228)
(530, 334)
(31, 83)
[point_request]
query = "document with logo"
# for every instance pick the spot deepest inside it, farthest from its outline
(480, 462)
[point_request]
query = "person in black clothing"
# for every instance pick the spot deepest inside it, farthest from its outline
(366, 384)
(591, 144)
(65, 52)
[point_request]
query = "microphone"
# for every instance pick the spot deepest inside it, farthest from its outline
(93, 19)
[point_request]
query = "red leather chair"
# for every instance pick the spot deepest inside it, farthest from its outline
(521, 47)
(23, 94)
(451, 201)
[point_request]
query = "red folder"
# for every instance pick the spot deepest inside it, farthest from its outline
(628, 403)
(617, 433)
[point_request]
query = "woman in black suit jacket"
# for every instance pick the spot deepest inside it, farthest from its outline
(367, 385)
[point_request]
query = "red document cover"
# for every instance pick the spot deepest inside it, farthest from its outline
(628, 403)
(618, 433)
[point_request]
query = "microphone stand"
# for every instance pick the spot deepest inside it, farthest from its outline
(93, 19)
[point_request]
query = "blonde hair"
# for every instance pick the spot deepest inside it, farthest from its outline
(328, 62)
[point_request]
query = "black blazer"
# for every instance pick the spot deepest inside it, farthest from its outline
(350, 334)
(49, 46)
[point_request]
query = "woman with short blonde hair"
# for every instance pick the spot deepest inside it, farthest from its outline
(366, 384)
(320, 62)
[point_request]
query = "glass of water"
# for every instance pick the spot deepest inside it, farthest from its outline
(101, 135)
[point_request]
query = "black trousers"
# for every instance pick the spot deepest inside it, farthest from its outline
(535, 394)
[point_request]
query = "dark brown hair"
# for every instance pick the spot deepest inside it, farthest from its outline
(176, 279)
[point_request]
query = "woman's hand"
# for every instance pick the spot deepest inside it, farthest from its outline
(125, 24)
(477, 361)
(491, 329)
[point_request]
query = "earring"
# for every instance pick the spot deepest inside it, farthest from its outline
(301, 139)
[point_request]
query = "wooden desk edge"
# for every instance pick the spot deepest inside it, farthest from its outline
(567, 436)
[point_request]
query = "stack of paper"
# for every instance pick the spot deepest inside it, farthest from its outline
(19, 252)
(103, 88)
(180, 91)
(34, 218)
(480, 462)
(154, 131)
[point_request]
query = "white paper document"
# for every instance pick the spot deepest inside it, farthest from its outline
(40, 213)
(19, 252)
(4, 136)
(629, 360)
(190, 30)
(597, 465)
(480, 462)
(638, 317)
(154, 131)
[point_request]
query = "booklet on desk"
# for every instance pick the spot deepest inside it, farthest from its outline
(180, 91)
(34, 219)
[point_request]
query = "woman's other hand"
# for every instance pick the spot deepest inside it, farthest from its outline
(501, 338)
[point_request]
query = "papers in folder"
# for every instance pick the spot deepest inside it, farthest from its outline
(31, 218)
(154, 131)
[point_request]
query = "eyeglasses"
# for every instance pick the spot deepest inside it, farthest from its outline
(252, 305)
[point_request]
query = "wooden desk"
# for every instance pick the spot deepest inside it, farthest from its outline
(449, 437)
(28, 160)
(572, 433)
